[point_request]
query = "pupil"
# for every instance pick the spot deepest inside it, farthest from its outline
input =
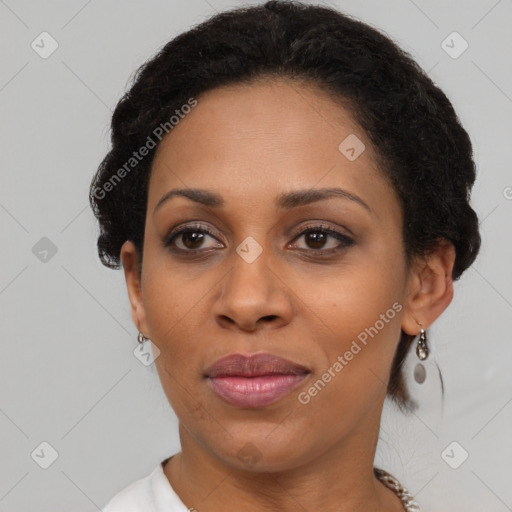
(193, 236)
(317, 239)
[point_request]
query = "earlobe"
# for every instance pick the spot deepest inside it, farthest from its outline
(430, 288)
(130, 260)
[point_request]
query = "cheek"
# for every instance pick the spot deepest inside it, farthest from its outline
(173, 298)
(353, 377)
(360, 298)
(175, 315)
(364, 317)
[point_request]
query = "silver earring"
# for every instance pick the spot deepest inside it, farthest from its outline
(141, 338)
(422, 351)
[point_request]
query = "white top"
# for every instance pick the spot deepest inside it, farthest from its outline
(154, 493)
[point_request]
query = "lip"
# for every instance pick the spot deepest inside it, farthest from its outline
(254, 380)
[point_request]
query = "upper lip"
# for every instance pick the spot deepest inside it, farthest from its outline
(254, 365)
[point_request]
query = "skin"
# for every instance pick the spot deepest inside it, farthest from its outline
(251, 143)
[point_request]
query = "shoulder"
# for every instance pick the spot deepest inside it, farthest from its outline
(152, 493)
(136, 497)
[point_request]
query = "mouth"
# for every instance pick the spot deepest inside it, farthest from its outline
(254, 381)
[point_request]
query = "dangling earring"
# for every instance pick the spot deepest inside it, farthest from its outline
(141, 338)
(422, 351)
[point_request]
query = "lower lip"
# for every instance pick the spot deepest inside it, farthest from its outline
(254, 391)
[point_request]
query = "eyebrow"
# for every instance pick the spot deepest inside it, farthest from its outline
(286, 201)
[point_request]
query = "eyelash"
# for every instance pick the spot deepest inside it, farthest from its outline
(345, 241)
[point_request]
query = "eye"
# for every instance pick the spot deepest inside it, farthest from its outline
(189, 239)
(317, 238)
(192, 238)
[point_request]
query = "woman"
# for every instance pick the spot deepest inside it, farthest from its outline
(288, 195)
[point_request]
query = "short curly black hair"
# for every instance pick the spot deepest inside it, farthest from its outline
(422, 148)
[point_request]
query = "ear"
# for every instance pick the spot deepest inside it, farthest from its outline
(430, 288)
(132, 273)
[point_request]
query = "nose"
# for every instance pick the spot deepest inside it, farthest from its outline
(253, 296)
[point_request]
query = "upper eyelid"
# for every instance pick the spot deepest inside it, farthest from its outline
(178, 230)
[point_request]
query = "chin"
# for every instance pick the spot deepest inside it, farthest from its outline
(258, 453)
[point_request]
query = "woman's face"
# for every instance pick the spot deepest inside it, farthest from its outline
(280, 269)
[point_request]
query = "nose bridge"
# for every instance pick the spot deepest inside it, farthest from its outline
(251, 268)
(251, 290)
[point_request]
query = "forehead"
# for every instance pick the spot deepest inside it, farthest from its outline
(281, 113)
(257, 140)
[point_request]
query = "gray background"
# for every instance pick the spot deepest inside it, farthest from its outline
(68, 375)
